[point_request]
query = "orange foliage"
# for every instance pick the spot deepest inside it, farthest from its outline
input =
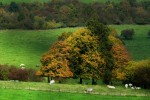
(55, 62)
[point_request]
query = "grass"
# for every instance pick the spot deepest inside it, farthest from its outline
(36, 91)
(139, 47)
(27, 46)
(9, 94)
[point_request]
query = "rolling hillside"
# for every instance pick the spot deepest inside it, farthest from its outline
(27, 46)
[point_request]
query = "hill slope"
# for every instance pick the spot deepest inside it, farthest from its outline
(27, 46)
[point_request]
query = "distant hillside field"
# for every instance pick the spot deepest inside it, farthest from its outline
(27, 46)
(84, 1)
(139, 47)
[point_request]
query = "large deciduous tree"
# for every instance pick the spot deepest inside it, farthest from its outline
(121, 56)
(105, 46)
(55, 62)
(86, 61)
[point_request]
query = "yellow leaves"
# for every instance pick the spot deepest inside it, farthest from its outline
(114, 40)
(39, 73)
(2, 11)
(119, 75)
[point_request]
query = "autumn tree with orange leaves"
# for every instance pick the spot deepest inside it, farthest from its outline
(55, 62)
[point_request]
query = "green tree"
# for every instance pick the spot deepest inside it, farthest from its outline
(85, 61)
(105, 46)
(13, 7)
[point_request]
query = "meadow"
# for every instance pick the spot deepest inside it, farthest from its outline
(139, 47)
(8, 94)
(27, 46)
(36, 91)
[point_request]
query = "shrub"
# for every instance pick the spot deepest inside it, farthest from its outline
(33, 77)
(138, 73)
(52, 25)
(4, 72)
(127, 34)
(8, 72)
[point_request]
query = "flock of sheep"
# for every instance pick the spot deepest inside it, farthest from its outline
(91, 89)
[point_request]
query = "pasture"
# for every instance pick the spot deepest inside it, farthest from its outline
(139, 47)
(36, 91)
(27, 46)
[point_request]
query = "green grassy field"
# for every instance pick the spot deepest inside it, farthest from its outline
(139, 47)
(27, 46)
(11, 94)
(36, 91)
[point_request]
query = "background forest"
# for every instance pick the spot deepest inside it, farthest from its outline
(71, 13)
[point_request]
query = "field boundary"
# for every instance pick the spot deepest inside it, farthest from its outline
(55, 88)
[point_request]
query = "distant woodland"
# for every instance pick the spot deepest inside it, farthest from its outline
(71, 13)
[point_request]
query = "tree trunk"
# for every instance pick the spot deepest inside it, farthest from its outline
(80, 80)
(93, 82)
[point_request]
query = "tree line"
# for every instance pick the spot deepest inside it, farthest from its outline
(71, 13)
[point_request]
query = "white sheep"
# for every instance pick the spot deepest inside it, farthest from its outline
(130, 85)
(138, 88)
(89, 90)
(52, 82)
(111, 87)
(22, 65)
(126, 85)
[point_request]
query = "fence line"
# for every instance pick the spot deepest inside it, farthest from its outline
(73, 91)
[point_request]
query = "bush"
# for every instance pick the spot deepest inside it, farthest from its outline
(33, 77)
(52, 25)
(13, 73)
(17, 74)
(4, 72)
(127, 34)
(138, 73)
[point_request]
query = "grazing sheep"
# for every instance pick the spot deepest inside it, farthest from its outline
(138, 88)
(111, 87)
(88, 90)
(52, 82)
(130, 85)
(22, 65)
(126, 85)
